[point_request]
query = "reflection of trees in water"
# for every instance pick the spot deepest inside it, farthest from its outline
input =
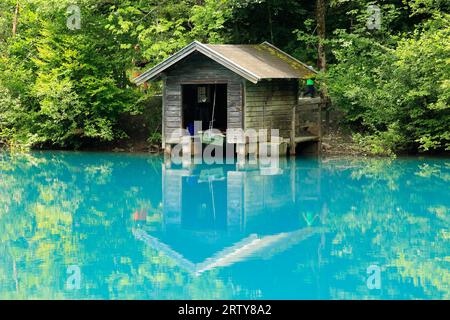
(65, 209)
(400, 216)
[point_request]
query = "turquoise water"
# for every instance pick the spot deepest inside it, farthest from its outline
(115, 226)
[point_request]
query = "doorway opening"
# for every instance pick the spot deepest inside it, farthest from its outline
(206, 103)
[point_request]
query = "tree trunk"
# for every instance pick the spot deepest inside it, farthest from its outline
(322, 65)
(15, 19)
(269, 12)
(320, 17)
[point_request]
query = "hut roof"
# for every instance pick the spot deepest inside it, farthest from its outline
(253, 62)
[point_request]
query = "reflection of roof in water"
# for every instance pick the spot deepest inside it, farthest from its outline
(251, 246)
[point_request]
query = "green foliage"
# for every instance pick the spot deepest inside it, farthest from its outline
(13, 120)
(155, 138)
(68, 88)
(380, 143)
(208, 20)
(396, 91)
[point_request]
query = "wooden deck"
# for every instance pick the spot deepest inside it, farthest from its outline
(306, 139)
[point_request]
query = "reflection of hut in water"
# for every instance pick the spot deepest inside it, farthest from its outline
(198, 199)
(215, 216)
(223, 198)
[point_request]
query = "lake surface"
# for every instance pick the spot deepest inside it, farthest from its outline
(119, 226)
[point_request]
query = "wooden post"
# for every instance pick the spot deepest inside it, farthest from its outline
(168, 149)
(241, 151)
(186, 142)
(163, 112)
(292, 147)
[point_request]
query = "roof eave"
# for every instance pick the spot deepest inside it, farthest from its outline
(155, 72)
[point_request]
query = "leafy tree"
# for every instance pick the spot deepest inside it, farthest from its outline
(68, 88)
(396, 91)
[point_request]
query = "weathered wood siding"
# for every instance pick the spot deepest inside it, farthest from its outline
(308, 116)
(198, 68)
(268, 105)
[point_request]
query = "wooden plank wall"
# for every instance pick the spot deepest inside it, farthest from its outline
(198, 68)
(269, 104)
(308, 116)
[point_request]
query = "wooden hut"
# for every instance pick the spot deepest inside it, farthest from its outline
(231, 86)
